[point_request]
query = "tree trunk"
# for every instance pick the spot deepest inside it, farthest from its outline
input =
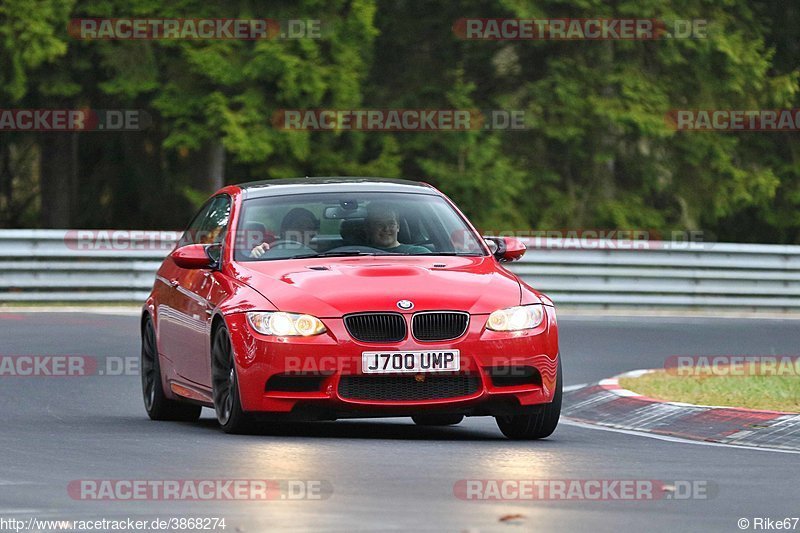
(6, 200)
(59, 178)
(216, 165)
(207, 167)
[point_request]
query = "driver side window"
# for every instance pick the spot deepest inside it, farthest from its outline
(192, 233)
(216, 221)
(210, 223)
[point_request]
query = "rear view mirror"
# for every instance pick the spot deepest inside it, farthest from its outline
(339, 212)
(197, 256)
(506, 249)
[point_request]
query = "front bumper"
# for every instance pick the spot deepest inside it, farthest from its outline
(325, 360)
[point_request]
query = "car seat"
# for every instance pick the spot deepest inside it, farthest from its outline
(353, 232)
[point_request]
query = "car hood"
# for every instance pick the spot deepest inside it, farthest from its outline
(332, 287)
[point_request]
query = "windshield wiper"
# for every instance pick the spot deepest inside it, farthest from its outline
(350, 252)
(331, 254)
(469, 254)
(457, 254)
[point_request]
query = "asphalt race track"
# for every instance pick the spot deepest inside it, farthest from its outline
(378, 474)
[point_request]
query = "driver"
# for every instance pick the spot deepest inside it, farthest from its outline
(299, 225)
(382, 228)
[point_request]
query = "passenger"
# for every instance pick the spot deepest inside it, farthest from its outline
(299, 225)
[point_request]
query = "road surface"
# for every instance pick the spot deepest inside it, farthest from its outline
(377, 475)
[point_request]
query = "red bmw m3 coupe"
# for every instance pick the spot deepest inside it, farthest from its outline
(327, 298)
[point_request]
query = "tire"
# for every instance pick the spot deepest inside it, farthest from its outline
(539, 424)
(157, 405)
(437, 420)
(225, 386)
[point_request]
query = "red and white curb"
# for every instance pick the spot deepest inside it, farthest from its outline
(607, 404)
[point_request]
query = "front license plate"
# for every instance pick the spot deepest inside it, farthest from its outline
(414, 362)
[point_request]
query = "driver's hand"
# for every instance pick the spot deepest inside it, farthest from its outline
(259, 250)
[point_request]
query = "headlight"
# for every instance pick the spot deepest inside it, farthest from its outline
(285, 324)
(516, 318)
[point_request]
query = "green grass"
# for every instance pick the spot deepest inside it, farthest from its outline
(772, 393)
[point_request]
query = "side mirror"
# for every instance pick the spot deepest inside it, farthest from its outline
(197, 256)
(506, 249)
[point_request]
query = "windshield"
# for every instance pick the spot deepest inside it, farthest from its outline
(341, 224)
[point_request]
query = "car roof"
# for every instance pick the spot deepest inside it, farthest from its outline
(281, 187)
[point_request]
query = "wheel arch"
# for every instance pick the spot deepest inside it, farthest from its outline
(216, 321)
(146, 315)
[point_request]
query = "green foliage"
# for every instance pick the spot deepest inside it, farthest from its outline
(29, 38)
(597, 152)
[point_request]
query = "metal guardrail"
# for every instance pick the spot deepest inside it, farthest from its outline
(80, 266)
(699, 275)
(75, 266)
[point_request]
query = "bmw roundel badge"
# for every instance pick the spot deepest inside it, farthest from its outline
(405, 305)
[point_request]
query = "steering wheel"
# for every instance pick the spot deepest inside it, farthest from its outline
(286, 243)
